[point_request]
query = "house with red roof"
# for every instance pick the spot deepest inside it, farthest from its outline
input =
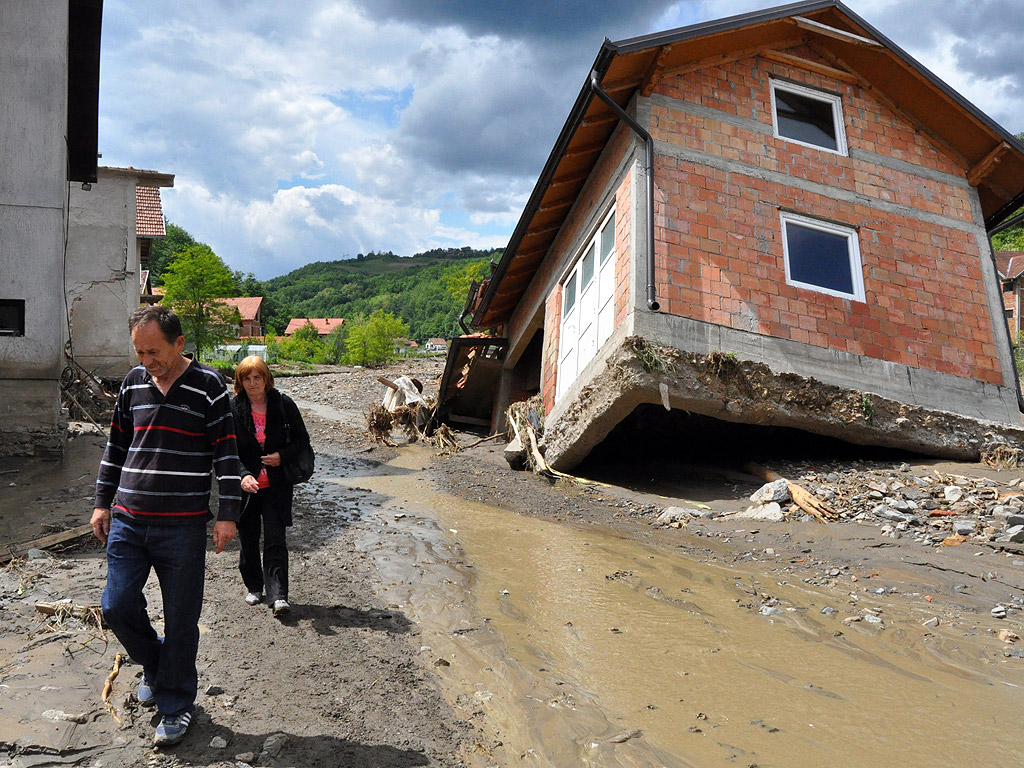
(776, 220)
(323, 325)
(1010, 266)
(249, 308)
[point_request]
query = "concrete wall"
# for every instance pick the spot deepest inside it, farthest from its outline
(33, 190)
(103, 272)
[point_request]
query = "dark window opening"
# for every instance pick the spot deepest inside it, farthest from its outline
(12, 317)
(819, 258)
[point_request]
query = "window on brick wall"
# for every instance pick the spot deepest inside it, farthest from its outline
(822, 256)
(588, 306)
(808, 117)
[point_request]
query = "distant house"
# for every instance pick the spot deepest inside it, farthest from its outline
(405, 346)
(323, 325)
(435, 345)
(1010, 266)
(740, 213)
(122, 206)
(249, 308)
(49, 97)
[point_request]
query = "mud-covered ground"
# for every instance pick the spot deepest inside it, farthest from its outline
(346, 679)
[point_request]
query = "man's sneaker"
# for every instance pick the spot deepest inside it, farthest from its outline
(145, 693)
(281, 607)
(253, 598)
(172, 729)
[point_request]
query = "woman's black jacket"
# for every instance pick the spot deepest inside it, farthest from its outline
(281, 410)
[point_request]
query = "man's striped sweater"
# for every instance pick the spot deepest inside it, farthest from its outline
(157, 464)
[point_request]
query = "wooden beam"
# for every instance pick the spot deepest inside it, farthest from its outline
(648, 80)
(838, 34)
(590, 122)
(574, 178)
(614, 86)
(542, 231)
(565, 202)
(987, 165)
(52, 540)
(725, 58)
(812, 66)
(585, 149)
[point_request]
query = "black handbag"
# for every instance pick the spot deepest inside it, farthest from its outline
(301, 469)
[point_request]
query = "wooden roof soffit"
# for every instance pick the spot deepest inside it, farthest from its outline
(987, 165)
(649, 79)
(725, 58)
(556, 205)
(799, 62)
(896, 108)
(591, 122)
(614, 86)
(585, 149)
(572, 179)
(824, 29)
(542, 231)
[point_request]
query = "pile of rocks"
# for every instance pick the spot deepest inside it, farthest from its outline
(934, 508)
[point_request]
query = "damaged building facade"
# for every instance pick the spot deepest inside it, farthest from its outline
(49, 90)
(778, 219)
(113, 223)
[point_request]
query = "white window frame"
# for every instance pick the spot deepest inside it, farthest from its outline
(831, 99)
(569, 361)
(852, 252)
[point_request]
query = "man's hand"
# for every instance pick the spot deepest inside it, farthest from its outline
(250, 484)
(223, 532)
(100, 523)
(272, 459)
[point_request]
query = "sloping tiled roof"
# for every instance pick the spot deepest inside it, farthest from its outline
(248, 306)
(1010, 264)
(436, 340)
(323, 325)
(149, 215)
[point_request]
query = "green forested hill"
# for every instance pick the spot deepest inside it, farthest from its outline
(427, 290)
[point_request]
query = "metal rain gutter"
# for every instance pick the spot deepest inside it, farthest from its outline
(652, 298)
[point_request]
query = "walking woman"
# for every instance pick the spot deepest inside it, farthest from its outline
(270, 433)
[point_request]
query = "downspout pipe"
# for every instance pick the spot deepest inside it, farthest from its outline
(652, 297)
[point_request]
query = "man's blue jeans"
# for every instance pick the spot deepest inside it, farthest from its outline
(178, 555)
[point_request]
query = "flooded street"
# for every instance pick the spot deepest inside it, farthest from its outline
(576, 647)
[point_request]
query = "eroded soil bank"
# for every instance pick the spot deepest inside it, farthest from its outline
(448, 611)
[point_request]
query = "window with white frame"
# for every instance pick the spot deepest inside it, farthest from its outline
(588, 306)
(809, 117)
(822, 256)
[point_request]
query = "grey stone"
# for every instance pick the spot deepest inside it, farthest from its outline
(273, 745)
(888, 513)
(777, 490)
(963, 527)
(769, 610)
(676, 514)
(953, 493)
(770, 513)
(1012, 534)
(1014, 519)
(899, 504)
(515, 454)
(218, 742)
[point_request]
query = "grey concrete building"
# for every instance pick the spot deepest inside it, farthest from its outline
(112, 225)
(49, 91)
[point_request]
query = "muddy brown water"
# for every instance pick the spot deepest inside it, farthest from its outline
(576, 647)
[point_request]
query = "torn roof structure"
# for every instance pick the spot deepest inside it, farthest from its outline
(793, 191)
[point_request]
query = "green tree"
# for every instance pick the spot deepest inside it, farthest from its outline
(458, 277)
(193, 283)
(165, 249)
(335, 345)
(371, 340)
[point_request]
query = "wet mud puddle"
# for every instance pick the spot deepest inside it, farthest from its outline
(573, 647)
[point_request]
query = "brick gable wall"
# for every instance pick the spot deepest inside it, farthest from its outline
(721, 178)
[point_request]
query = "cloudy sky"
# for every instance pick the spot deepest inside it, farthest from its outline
(314, 130)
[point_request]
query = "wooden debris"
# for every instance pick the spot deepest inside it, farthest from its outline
(485, 439)
(387, 383)
(108, 686)
(44, 542)
(803, 498)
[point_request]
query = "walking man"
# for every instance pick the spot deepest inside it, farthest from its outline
(172, 425)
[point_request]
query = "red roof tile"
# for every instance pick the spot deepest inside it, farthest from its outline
(323, 325)
(248, 306)
(1010, 264)
(149, 215)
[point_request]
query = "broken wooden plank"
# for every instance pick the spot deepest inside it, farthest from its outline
(52, 540)
(387, 383)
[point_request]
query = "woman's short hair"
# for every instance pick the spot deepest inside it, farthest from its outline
(247, 366)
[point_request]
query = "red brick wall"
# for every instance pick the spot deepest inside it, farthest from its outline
(718, 233)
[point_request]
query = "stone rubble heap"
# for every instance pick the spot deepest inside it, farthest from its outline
(934, 508)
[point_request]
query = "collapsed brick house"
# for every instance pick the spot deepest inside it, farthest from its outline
(778, 218)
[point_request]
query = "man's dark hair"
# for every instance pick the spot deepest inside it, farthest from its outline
(166, 320)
